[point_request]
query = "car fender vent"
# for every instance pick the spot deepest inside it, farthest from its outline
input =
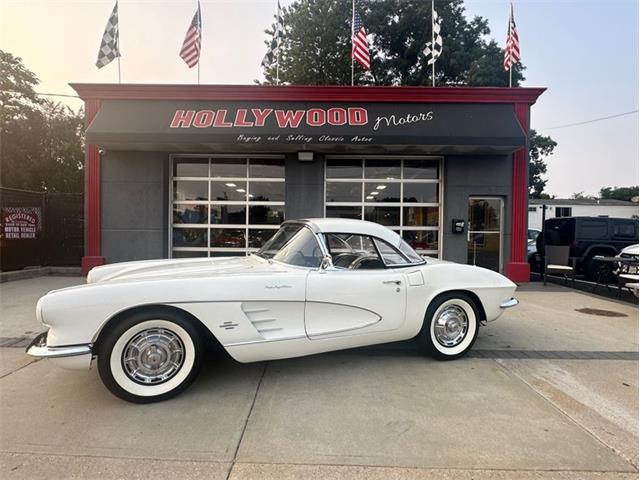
(262, 319)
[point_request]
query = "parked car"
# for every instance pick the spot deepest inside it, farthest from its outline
(316, 286)
(589, 237)
(631, 252)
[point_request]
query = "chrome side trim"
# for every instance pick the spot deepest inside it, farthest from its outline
(509, 303)
(38, 348)
(251, 342)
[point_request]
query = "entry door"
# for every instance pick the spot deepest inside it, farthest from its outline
(484, 233)
(350, 302)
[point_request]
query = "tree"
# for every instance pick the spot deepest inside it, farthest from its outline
(316, 48)
(619, 193)
(582, 196)
(540, 147)
(41, 144)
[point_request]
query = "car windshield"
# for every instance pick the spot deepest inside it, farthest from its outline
(295, 245)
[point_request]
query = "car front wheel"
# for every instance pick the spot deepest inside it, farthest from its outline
(450, 326)
(149, 357)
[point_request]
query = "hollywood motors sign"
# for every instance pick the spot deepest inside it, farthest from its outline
(316, 124)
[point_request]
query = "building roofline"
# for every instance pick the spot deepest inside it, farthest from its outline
(324, 93)
(609, 202)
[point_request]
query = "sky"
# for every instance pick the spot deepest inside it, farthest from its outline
(585, 52)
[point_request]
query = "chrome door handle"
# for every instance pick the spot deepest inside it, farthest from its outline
(392, 282)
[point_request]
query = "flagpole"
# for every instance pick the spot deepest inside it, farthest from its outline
(119, 80)
(508, 40)
(433, 45)
(353, 19)
(277, 33)
(200, 53)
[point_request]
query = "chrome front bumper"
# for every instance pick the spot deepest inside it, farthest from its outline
(509, 303)
(72, 356)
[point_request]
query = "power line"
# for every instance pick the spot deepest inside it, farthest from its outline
(57, 95)
(590, 121)
(47, 94)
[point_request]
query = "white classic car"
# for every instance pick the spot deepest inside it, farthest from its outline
(316, 286)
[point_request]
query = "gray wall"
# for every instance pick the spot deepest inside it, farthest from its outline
(134, 205)
(304, 194)
(135, 189)
(466, 176)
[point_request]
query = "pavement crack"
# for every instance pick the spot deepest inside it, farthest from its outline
(19, 368)
(246, 422)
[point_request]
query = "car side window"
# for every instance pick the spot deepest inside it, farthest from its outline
(624, 229)
(390, 255)
(353, 252)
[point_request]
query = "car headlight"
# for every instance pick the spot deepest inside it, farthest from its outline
(39, 314)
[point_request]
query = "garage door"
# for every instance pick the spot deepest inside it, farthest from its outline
(403, 194)
(224, 205)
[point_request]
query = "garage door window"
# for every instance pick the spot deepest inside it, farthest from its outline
(402, 194)
(224, 206)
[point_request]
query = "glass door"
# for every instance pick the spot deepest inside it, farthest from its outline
(484, 233)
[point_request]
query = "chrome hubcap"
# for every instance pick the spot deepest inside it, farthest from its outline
(451, 325)
(153, 356)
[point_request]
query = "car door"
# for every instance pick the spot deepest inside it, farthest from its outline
(347, 301)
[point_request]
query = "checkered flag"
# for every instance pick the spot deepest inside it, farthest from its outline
(109, 48)
(272, 55)
(433, 49)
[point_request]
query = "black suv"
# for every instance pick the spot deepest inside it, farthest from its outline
(588, 237)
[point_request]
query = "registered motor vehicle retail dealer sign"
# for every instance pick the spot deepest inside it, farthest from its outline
(20, 223)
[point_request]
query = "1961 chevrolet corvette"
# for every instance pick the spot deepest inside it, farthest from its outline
(317, 285)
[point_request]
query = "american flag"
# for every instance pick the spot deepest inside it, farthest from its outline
(190, 51)
(360, 51)
(512, 49)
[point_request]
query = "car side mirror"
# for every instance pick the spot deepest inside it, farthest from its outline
(326, 263)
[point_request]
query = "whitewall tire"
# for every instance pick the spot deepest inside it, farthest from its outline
(450, 326)
(150, 356)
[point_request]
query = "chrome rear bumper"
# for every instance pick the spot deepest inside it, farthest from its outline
(509, 303)
(72, 356)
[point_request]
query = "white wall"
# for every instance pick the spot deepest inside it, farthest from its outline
(535, 218)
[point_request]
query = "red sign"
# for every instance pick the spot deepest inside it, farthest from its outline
(256, 117)
(19, 223)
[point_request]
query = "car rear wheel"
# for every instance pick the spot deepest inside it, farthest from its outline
(450, 326)
(150, 356)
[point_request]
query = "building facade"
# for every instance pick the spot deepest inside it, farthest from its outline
(175, 171)
(570, 207)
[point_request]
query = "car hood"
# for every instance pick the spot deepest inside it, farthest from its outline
(181, 268)
(631, 250)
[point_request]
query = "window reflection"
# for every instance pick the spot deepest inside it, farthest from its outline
(228, 191)
(186, 190)
(190, 237)
(344, 192)
(266, 215)
(230, 214)
(190, 213)
(227, 237)
(266, 191)
(382, 192)
(388, 216)
(421, 239)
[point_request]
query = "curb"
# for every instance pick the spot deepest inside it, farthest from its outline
(35, 272)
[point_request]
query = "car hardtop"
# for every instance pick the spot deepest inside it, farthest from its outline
(350, 226)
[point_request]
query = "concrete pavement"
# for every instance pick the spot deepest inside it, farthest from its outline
(380, 412)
